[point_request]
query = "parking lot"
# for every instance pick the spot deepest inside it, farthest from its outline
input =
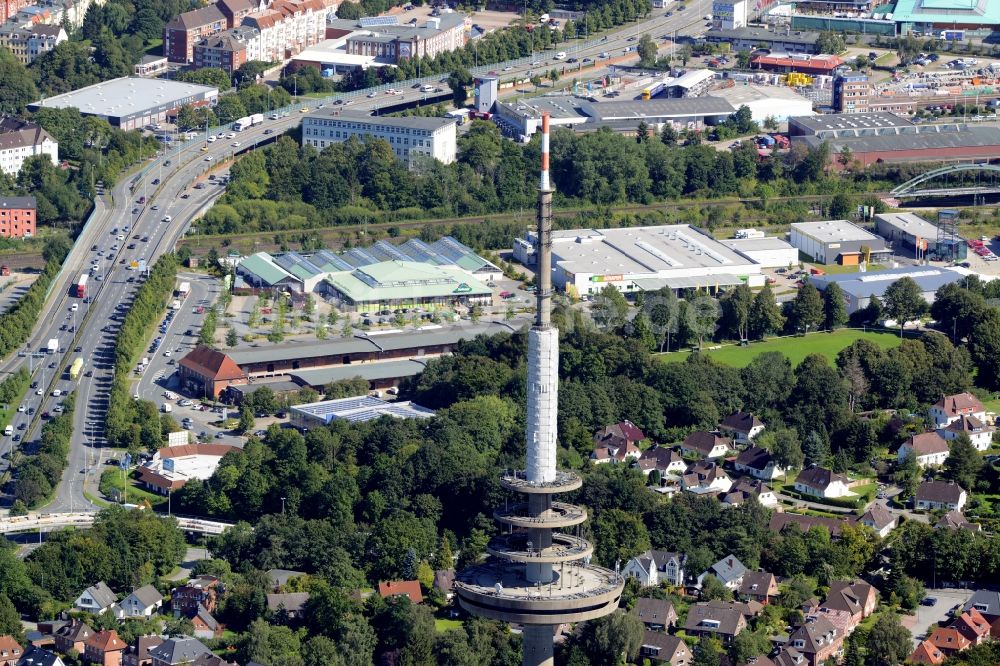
(926, 615)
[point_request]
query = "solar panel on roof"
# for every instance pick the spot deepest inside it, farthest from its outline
(373, 21)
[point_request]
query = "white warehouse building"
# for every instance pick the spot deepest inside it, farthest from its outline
(778, 102)
(635, 259)
(409, 136)
(768, 252)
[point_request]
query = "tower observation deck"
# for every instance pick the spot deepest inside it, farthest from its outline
(536, 575)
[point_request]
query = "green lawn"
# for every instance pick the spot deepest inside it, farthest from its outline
(442, 625)
(795, 348)
(112, 480)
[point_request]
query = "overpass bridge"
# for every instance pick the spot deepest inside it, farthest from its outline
(54, 521)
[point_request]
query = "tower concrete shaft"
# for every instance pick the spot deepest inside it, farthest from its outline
(535, 576)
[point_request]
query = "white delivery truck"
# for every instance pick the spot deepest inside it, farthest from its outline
(176, 305)
(167, 408)
(53, 346)
(242, 124)
(257, 119)
(9, 430)
(183, 289)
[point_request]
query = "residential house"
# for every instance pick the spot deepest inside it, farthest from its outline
(178, 651)
(143, 602)
(137, 654)
(18, 216)
(105, 648)
(978, 431)
(406, 588)
(36, 656)
(662, 648)
(952, 407)
(789, 656)
(758, 463)
(279, 578)
(72, 636)
(949, 640)
(667, 462)
(759, 586)
(759, 660)
(749, 609)
(742, 427)
(987, 602)
(444, 582)
(940, 495)
(956, 520)
(705, 477)
(623, 435)
(819, 482)
(973, 626)
(205, 625)
(729, 570)
(722, 623)
(655, 567)
(928, 448)
(21, 139)
(817, 640)
(857, 598)
(703, 444)
(880, 519)
(746, 488)
(201, 591)
(96, 599)
(779, 521)
(212, 660)
(655, 614)
(926, 653)
(11, 651)
(292, 603)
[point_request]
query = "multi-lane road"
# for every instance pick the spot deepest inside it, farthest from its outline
(168, 185)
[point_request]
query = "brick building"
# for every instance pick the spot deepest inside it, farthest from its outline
(207, 372)
(184, 30)
(229, 49)
(17, 217)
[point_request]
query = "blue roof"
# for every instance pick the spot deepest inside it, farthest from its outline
(947, 12)
(863, 285)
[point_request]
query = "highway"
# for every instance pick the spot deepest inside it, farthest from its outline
(168, 185)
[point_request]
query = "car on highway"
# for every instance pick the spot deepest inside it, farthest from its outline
(211, 139)
(208, 158)
(135, 211)
(570, 61)
(130, 246)
(235, 144)
(39, 392)
(78, 349)
(304, 109)
(100, 278)
(74, 307)
(22, 408)
(156, 181)
(56, 393)
(268, 131)
(231, 135)
(155, 207)
(372, 95)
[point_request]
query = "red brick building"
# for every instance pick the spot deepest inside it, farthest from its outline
(226, 50)
(17, 217)
(208, 372)
(184, 30)
(802, 63)
(104, 648)
(202, 592)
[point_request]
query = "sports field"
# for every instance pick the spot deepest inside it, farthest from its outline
(795, 348)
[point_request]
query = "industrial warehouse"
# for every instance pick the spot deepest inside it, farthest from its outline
(637, 259)
(838, 241)
(355, 410)
(132, 102)
(859, 288)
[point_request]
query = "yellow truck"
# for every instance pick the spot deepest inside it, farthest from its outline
(76, 369)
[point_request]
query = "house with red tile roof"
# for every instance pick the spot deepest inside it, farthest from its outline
(980, 433)
(857, 598)
(926, 653)
(104, 648)
(406, 588)
(949, 640)
(973, 626)
(617, 443)
(11, 651)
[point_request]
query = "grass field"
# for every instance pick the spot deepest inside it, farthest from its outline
(112, 480)
(795, 348)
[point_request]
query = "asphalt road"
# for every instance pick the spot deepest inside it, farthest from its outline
(92, 327)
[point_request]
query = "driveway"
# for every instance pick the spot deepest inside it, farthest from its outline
(947, 598)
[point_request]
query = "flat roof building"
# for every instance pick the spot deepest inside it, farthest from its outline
(173, 466)
(777, 102)
(835, 125)
(748, 39)
(768, 252)
(636, 259)
(920, 236)
(926, 15)
(837, 241)
(132, 102)
(803, 63)
(410, 137)
(523, 118)
(393, 284)
(356, 410)
(860, 287)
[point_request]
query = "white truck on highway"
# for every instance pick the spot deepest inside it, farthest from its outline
(248, 121)
(53, 346)
(183, 289)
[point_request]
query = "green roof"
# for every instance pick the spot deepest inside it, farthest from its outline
(946, 13)
(402, 280)
(260, 264)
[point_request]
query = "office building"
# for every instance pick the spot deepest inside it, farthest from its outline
(729, 14)
(851, 93)
(637, 259)
(132, 102)
(19, 140)
(921, 237)
(411, 138)
(383, 38)
(17, 217)
(838, 241)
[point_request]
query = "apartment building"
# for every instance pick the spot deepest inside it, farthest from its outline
(17, 217)
(185, 30)
(19, 140)
(229, 49)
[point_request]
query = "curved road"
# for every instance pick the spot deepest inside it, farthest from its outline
(93, 326)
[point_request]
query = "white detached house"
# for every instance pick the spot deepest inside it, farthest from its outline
(656, 566)
(951, 407)
(96, 599)
(928, 448)
(978, 431)
(820, 482)
(143, 602)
